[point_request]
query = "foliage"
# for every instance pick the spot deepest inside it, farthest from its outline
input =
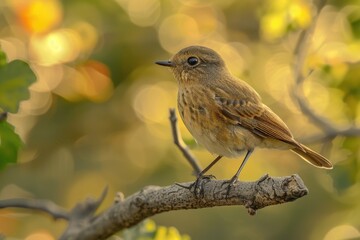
(9, 145)
(147, 230)
(15, 79)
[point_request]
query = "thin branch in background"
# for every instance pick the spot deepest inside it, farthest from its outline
(46, 206)
(331, 135)
(180, 143)
(300, 52)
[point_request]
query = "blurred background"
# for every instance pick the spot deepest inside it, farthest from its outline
(98, 113)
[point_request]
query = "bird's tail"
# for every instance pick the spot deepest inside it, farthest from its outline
(312, 157)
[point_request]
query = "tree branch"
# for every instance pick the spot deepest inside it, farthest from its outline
(154, 200)
(41, 205)
(151, 200)
(180, 143)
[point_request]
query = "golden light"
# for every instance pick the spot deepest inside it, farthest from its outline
(178, 31)
(342, 232)
(38, 103)
(318, 94)
(88, 35)
(7, 222)
(98, 86)
(143, 12)
(333, 52)
(40, 235)
(150, 104)
(300, 13)
(232, 57)
(217, 3)
(327, 101)
(48, 77)
(277, 74)
(90, 80)
(56, 47)
(273, 26)
(284, 13)
(208, 19)
(13, 47)
(38, 16)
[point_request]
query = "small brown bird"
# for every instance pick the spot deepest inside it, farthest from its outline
(225, 114)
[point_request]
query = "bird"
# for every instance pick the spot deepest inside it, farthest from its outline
(225, 114)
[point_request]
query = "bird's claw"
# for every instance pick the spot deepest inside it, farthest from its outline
(230, 184)
(197, 187)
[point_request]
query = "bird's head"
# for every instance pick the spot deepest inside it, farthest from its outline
(195, 63)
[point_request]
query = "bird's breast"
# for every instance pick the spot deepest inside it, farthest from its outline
(211, 129)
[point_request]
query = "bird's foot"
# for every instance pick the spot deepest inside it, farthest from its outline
(198, 187)
(230, 183)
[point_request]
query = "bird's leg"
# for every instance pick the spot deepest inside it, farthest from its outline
(199, 182)
(198, 185)
(201, 174)
(234, 179)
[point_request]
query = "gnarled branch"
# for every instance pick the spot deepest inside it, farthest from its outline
(154, 200)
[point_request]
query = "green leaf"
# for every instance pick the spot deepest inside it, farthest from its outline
(15, 79)
(10, 144)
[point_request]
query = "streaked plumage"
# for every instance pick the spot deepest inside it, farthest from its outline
(224, 113)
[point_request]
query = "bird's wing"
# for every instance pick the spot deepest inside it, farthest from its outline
(253, 115)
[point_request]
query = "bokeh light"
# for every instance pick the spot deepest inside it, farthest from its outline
(143, 12)
(98, 112)
(282, 15)
(148, 97)
(177, 31)
(41, 235)
(54, 48)
(90, 80)
(342, 232)
(37, 16)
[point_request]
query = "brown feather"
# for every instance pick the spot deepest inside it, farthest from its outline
(312, 157)
(257, 118)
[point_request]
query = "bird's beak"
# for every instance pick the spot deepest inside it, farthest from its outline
(166, 63)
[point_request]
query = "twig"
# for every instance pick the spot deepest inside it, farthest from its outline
(300, 53)
(305, 108)
(330, 135)
(180, 143)
(41, 205)
(82, 215)
(154, 200)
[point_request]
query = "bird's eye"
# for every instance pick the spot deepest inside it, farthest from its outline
(192, 61)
